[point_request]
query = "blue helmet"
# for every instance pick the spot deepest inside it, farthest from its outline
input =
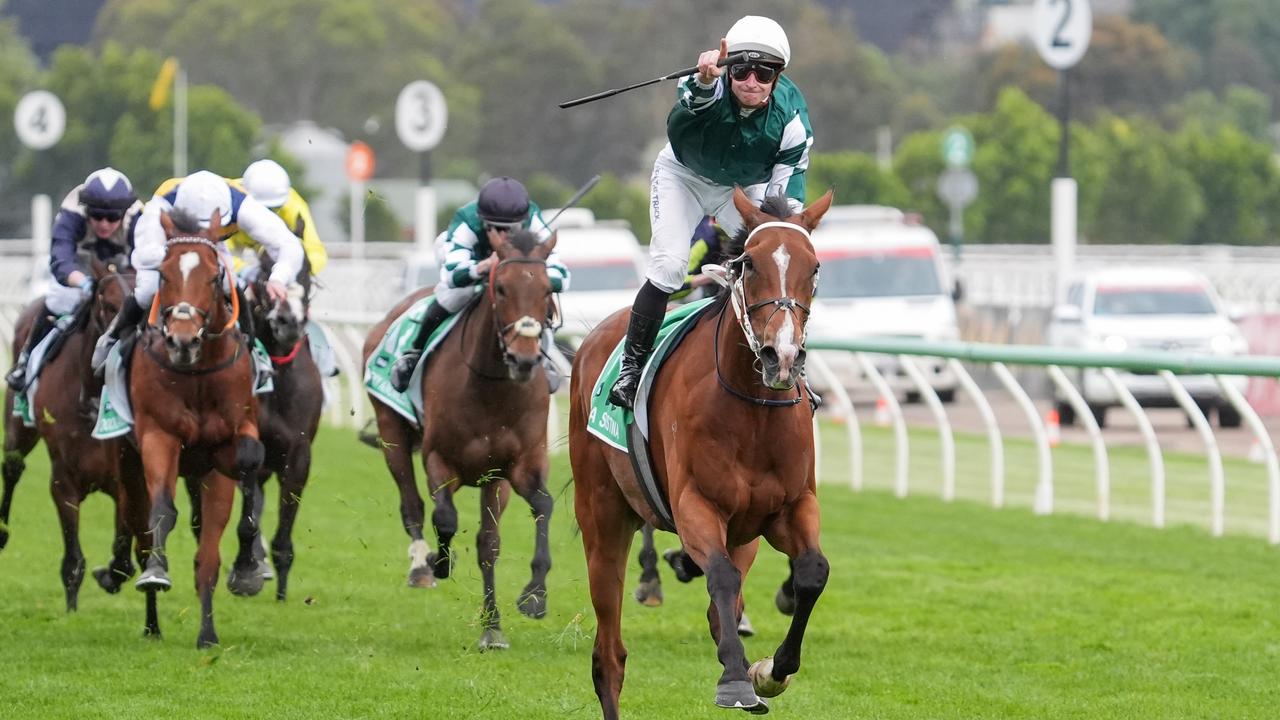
(107, 189)
(503, 201)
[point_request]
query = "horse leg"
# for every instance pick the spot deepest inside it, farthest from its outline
(218, 498)
(493, 500)
(112, 577)
(785, 598)
(67, 499)
(160, 466)
(292, 482)
(796, 534)
(608, 526)
(397, 451)
(703, 533)
(533, 599)
(133, 495)
(440, 483)
(246, 577)
(649, 591)
(18, 443)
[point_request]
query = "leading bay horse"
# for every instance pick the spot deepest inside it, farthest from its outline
(194, 410)
(65, 408)
(485, 400)
(732, 447)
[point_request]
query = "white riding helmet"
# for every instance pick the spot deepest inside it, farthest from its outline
(200, 194)
(754, 32)
(267, 182)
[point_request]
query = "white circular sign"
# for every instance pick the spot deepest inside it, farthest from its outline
(421, 116)
(39, 119)
(1061, 30)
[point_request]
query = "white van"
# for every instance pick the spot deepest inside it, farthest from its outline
(882, 275)
(606, 266)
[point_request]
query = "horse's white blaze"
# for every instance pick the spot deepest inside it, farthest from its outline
(783, 258)
(785, 341)
(418, 550)
(187, 262)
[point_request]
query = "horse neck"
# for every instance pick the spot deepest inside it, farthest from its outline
(479, 344)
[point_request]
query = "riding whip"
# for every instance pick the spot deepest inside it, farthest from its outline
(727, 60)
(582, 191)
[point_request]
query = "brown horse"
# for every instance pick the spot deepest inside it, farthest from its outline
(289, 417)
(485, 401)
(732, 447)
(65, 409)
(194, 411)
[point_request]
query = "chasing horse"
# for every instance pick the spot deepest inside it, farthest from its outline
(731, 449)
(64, 408)
(484, 399)
(191, 391)
(288, 419)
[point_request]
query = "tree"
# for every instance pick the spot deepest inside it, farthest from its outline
(856, 178)
(1239, 181)
(1149, 199)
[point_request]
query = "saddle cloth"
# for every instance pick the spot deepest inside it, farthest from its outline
(377, 371)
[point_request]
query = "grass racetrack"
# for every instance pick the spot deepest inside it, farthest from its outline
(933, 610)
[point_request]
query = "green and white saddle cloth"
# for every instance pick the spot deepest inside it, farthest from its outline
(377, 371)
(24, 402)
(115, 414)
(608, 421)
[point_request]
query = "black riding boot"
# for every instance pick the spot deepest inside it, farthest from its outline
(17, 377)
(646, 318)
(402, 371)
(131, 313)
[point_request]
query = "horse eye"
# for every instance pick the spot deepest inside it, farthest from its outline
(502, 291)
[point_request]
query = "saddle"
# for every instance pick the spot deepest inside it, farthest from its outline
(377, 370)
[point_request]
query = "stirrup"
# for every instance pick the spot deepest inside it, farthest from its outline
(16, 378)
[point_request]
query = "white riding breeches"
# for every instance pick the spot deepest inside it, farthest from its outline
(453, 299)
(62, 300)
(678, 200)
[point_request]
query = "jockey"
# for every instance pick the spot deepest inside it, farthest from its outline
(502, 207)
(200, 195)
(748, 126)
(268, 183)
(97, 217)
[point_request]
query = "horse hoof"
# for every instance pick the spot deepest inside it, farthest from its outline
(244, 582)
(153, 579)
(109, 579)
(744, 627)
(761, 674)
(493, 639)
(421, 577)
(649, 593)
(265, 570)
(205, 642)
(4, 537)
(738, 694)
(533, 604)
(151, 633)
(677, 559)
(440, 565)
(786, 602)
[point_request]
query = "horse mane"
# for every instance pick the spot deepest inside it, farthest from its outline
(184, 221)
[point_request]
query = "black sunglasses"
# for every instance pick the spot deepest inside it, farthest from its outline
(764, 73)
(503, 227)
(108, 215)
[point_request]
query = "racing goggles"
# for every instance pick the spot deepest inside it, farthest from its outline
(507, 227)
(765, 73)
(108, 215)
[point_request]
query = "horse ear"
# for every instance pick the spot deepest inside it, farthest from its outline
(544, 249)
(215, 224)
(814, 212)
(747, 209)
(166, 222)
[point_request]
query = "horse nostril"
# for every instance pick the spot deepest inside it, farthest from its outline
(769, 355)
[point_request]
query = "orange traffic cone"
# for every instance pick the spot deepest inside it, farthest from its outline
(882, 412)
(1053, 428)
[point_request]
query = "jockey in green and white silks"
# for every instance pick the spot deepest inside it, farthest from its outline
(745, 124)
(465, 253)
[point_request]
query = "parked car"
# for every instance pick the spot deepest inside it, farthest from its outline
(606, 265)
(1142, 308)
(882, 275)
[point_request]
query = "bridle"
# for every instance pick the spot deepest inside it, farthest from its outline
(185, 310)
(524, 326)
(742, 309)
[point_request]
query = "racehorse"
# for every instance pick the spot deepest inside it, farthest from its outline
(732, 447)
(288, 418)
(65, 409)
(191, 388)
(485, 401)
